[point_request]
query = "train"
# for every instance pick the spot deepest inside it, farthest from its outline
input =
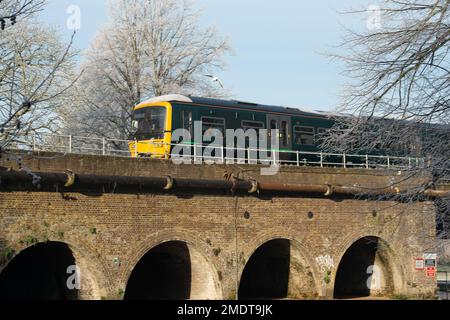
(154, 122)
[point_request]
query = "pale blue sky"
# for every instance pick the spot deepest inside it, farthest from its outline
(277, 45)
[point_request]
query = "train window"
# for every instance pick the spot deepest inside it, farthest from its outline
(304, 135)
(149, 123)
(284, 133)
(252, 125)
(210, 123)
(321, 133)
(187, 121)
(273, 125)
(214, 121)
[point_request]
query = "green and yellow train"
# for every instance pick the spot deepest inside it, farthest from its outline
(155, 120)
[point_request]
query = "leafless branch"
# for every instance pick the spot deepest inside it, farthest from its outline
(396, 99)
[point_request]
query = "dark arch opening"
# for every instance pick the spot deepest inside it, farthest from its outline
(266, 275)
(354, 272)
(164, 273)
(39, 273)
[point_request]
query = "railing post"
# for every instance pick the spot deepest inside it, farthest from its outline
(195, 152)
(446, 283)
(321, 159)
(410, 162)
(222, 158)
(345, 161)
(367, 161)
(104, 146)
(389, 162)
(70, 144)
(298, 158)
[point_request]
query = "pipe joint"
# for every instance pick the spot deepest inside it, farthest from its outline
(70, 179)
(255, 186)
(169, 184)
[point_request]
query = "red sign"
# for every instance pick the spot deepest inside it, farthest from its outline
(431, 272)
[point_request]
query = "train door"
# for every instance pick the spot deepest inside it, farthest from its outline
(283, 124)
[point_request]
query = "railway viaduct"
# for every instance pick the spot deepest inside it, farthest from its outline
(149, 229)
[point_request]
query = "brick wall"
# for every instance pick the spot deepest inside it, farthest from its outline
(109, 233)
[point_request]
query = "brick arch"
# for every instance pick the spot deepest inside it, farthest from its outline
(98, 274)
(396, 267)
(92, 271)
(198, 249)
(302, 250)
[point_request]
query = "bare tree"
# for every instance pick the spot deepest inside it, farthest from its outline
(149, 48)
(397, 99)
(36, 70)
(12, 10)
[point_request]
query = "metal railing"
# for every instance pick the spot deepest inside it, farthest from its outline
(68, 144)
(443, 280)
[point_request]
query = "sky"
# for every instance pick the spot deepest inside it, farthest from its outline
(279, 47)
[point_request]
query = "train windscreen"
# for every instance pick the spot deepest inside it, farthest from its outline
(149, 123)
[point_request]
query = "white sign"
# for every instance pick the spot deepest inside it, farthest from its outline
(420, 264)
(430, 256)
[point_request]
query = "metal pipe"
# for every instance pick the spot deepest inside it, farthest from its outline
(328, 190)
(213, 184)
(69, 180)
(66, 180)
(62, 179)
(284, 187)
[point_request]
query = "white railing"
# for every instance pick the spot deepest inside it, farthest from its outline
(67, 144)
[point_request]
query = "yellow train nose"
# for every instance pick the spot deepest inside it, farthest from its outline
(133, 149)
(151, 149)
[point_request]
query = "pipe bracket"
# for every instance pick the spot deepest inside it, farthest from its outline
(255, 186)
(170, 183)
(70, 179)
(330, 190)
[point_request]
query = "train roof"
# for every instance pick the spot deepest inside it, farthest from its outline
(235, 104)
(268, 108)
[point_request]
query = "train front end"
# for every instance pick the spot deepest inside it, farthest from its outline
(151, 131)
